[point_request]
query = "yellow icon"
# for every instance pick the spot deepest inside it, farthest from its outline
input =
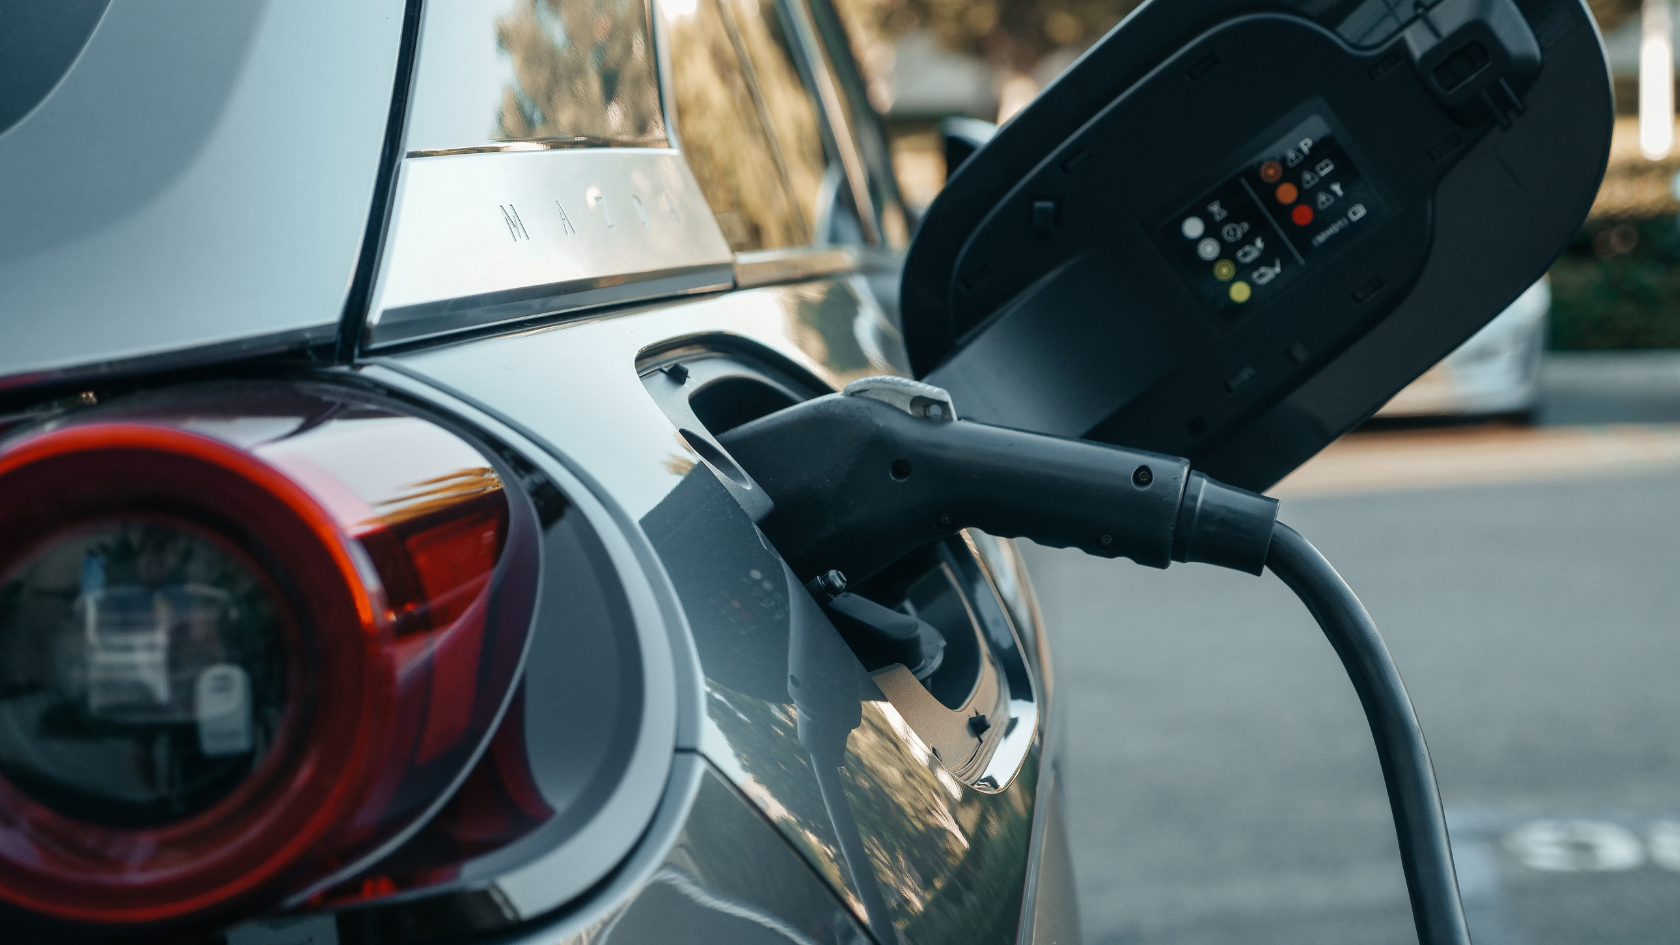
(1240, 291)
(1224, 269)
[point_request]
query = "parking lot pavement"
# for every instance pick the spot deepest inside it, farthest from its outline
(1221, 783)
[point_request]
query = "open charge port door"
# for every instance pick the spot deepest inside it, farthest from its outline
(931, 629)
(979, 695)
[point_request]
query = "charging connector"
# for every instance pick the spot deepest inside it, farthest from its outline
(861, 478)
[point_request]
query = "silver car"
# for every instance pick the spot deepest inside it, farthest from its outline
(371, 570)
(374, 567)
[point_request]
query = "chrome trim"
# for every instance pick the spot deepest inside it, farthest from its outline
(543, 144)
(771, 266)
(912, 397)
(485, 238)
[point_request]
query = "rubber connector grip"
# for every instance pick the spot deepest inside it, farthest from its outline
(1223, 525)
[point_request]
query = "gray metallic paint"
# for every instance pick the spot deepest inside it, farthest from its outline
(201, 176)
(946, 863)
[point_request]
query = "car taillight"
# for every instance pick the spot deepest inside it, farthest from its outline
(250, 637)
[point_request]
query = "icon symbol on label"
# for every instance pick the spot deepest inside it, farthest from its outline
(1324, 167)
(1308, 178)
(1192, 228)
(1324, 199)
(1271, 172)
(1292, 157)
(1338, 189)
(1305, 147)
(1251, 252)
(1266, 274)
(1240, 291)
(1224, 269)
(1217, 212)
(1208, 248)
(1233, 231)
(1356, 211)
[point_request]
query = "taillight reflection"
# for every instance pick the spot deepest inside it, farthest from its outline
(249, 637)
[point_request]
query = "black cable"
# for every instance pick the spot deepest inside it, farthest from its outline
(860, 479)
(1419, 824)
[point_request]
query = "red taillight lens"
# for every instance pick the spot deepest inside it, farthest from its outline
(248, 638)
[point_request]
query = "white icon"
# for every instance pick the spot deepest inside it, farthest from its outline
(1292, 157)
(1233, 231)
(1208, 248)
(1251, 252)
(1356, 211)
(1193, 228)
(1325, 200)
(1338, 189)
(1308, 178)
(1217, 212)
(1305, 147)
(1266, 274)
(1324, 167)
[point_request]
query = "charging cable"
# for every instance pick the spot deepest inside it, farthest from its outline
(861, 478)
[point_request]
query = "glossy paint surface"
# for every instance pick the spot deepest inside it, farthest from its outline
(726, 879)
(200, 177)
(787, 714)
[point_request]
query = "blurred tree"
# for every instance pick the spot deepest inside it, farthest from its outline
(1013, 35)
(1613, 14)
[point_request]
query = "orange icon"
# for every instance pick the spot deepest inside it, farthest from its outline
(1302, 215)
(1271, 171)
(1286, 193)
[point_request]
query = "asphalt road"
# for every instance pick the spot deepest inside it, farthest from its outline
(1221, 783)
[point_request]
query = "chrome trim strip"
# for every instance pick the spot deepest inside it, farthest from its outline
(543, 144)
(478, 239)
(431, 319)
(770, 266)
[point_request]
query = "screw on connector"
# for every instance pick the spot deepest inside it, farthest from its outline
(677, 372)
(900, 469)
(827, 586)
(945, 520)
(1142, 477)
(1107, 540)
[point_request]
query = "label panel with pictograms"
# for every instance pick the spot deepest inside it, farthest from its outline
(1292, 204)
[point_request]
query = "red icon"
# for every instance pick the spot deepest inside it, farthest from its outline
(1302, 214)
(1271, 171)
(1286, 193)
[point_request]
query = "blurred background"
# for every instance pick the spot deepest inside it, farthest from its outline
(1512, 520)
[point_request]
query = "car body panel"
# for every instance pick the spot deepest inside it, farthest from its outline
(196, 187)
(944, 862)
(773, 789)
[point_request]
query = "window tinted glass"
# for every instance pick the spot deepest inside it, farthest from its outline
(793, 113)
(736, 76)
(562, 73)
(724, 121)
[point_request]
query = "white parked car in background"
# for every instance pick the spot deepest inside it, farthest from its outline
(1495, 373)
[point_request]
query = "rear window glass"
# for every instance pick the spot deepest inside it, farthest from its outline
(734, 87)
(553, 73)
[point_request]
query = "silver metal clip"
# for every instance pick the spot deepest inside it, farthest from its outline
(912, 397)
